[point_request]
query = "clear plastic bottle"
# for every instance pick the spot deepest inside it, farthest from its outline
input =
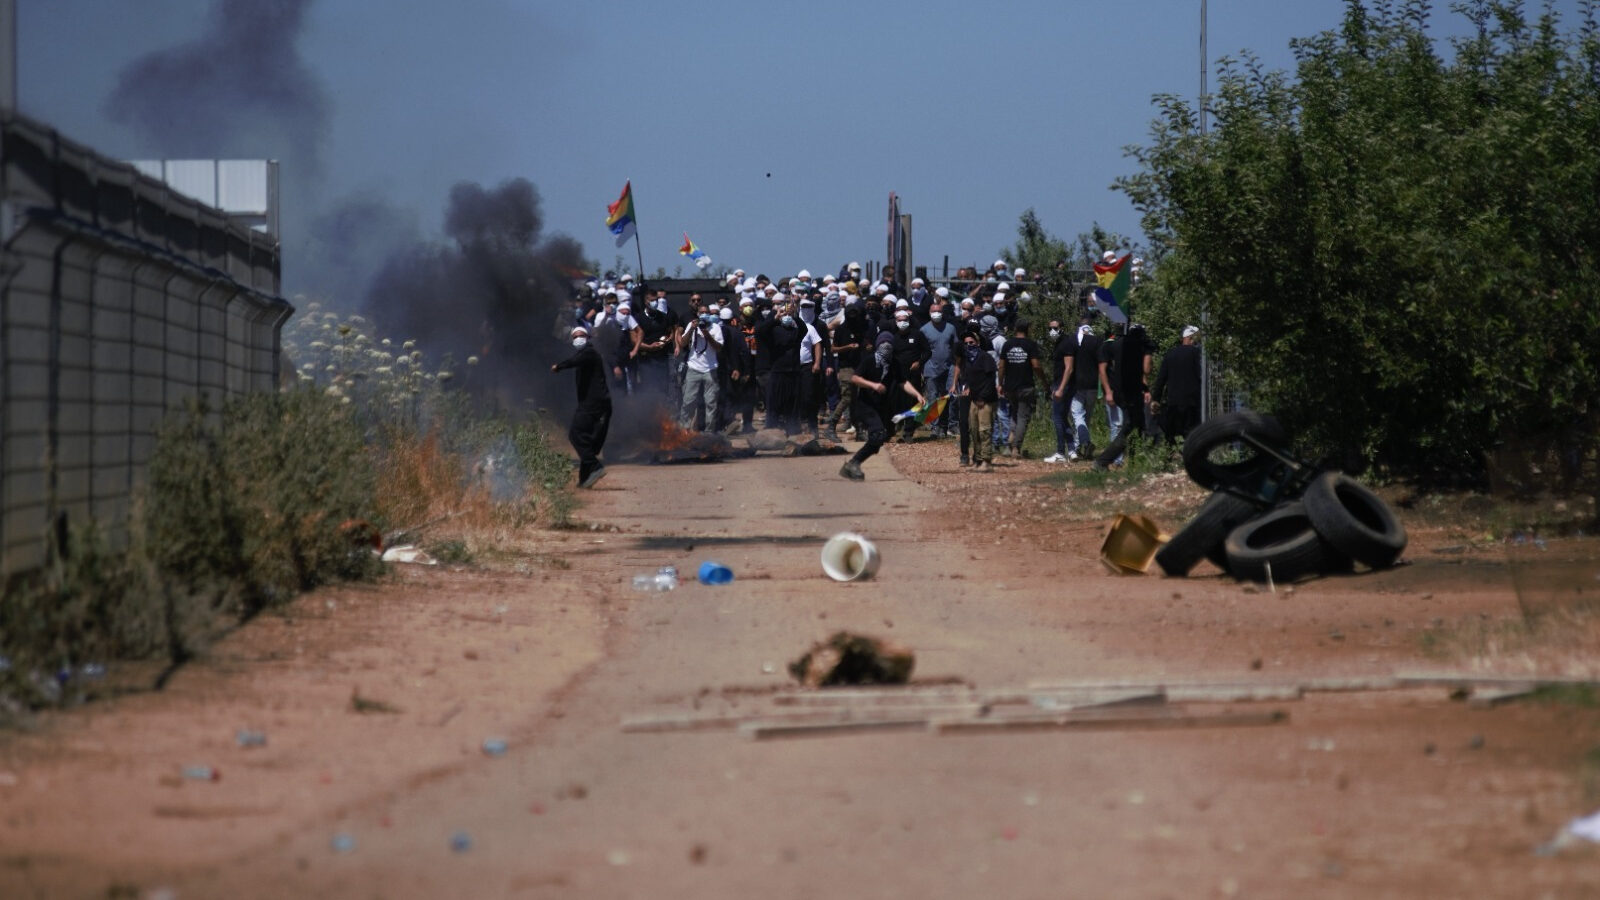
(665, 579)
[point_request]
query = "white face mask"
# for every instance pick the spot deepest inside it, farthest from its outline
(788, 321)
(808, 315)
(902, 324)
(936, 316)
(579, 342)
(1055, 332)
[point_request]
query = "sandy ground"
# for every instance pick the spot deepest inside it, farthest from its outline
(992, 579)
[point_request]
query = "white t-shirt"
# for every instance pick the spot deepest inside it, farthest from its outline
(808, 344)
(703, 356)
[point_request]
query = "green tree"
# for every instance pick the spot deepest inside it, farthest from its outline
(1397, 252)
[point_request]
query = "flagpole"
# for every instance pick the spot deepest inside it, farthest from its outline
(636, 248)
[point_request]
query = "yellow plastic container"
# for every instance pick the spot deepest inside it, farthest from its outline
(1131, 544)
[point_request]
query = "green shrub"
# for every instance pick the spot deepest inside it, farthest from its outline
(270, 498)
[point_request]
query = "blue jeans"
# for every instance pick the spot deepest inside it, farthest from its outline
(1082, 406)
(1061, 418)
(1002, 422)
(1114, 419)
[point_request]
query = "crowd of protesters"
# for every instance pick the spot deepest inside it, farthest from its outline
(815, 357)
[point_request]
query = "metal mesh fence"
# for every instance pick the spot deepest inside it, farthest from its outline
(119, 299)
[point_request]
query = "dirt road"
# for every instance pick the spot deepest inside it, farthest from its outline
(1395, 793)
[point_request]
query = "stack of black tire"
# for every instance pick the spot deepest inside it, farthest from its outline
(1272, 517)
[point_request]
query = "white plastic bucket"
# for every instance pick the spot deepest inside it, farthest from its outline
(848, 556)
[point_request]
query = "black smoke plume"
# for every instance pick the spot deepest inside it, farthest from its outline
(498, 290)
(239, 90)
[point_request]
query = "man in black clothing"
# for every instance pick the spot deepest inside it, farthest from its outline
(1019, 370)
(849, 338)
(1128, 390)
(875, 374)
(1176, 395)
(658, 325)
(782, 337)
(975, 376)
(910, 355)
(1063, 354)
(1085, 382)
(592, 419)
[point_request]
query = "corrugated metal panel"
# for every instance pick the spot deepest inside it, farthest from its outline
(242, 185)
(195, 178)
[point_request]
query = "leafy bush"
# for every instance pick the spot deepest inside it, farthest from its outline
(267, 499)
(1397, 252)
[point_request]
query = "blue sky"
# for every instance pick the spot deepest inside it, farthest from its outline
(970, 112)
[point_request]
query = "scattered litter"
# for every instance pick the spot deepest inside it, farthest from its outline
(409, 553)
(712, 572)
(1131, 544)
(619, 858)
(494, 747)
(364, 705)
(847, 658)
(343, 843)
(246, 738)
(92, 671)
(767, 668)
(460, 842)
(664, 579)
(202, 773)
(1583, 828)
(848, 556)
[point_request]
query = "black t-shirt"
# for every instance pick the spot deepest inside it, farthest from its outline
(1180, 377)
(1111, 355)
(784, 341)
(1134, 347)
(978, 374)
(868, 367)
(910, 347)
(1019, 354)
(1086, 365)
(592, 390)
(853, 330)
(656, 326)
(1066, 348)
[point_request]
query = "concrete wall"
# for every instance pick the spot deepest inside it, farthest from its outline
(119, 300)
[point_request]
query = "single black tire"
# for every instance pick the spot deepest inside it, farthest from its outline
(1285, 541)
(1203, 535)
(1354, 520)
(1227, 428)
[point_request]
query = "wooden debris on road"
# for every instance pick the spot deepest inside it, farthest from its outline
(1107, 719)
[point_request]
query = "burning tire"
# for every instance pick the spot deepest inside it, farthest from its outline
(1203, 537)
(1354, 519)
(1218, 434)
(1283, 542)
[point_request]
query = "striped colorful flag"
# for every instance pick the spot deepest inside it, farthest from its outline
(619, 215)
(924, 412)
(691, 250)
(1111, 297)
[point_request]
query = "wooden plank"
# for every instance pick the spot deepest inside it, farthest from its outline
(769, 730)
(1469, 680)
(1087, 720)
(824, 717)
(1484, 698)
(1205, 693)
(1093, 699)
(864, 697)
